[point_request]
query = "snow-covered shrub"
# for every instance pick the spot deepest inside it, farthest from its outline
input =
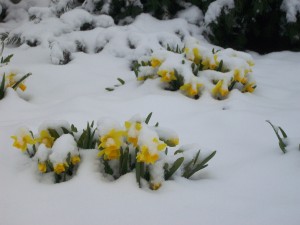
(262, 26)
(197, 68)
(135, 146)
(12, 79)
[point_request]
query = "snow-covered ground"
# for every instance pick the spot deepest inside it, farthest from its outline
(249, 181)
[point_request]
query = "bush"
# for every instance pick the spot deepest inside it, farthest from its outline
(262, 26)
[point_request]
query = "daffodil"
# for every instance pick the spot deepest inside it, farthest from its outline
(197, 56)
(144, 155)
(132, 131)
(250, 63)
(42, 167)
(172, 142)
(218, 90)
(191, 89)
(45, 138)
(59, 168)
(160, 146)
(167, 76)
(12, 81)
(22, 141)
(75, 159)
(249, 87)
(155, 186)
(206, 64)
(238, 77)
(110, 144)
(155, 62)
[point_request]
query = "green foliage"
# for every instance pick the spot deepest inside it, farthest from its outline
(281, 142)
(196, 164)
(256, 25)
(87, 138)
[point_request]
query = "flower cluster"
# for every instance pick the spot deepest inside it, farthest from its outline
(134, 146)
(196, 68)
(53, 154)
(137, 146)
(11, 80)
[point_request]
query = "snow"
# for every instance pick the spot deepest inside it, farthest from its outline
(249, 181)
(215, 8)
(292, 9)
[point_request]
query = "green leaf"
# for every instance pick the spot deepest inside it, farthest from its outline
(220, 66)
(16, 85)
(281, 143)
(109, 89)
(157, 124)
(53, 133)
(2, 87)
(174, 168)
(6, 59)
(282, 132)
(73, 128)
(138, 173)
(107, 168)
(203, 162)
(121, 81)
(178, 151)
(196, 157)
(148, 118)
(66, 131)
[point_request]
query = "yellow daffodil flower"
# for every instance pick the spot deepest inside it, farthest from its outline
(45, 138)
(190, 89)
(237, 77)
(155, 62)
(160, 145)
(172, 142)
(206, 64)
(250, 63)
(111, 144)
(167, 76)
(59, 168)
(218, 90)
(132, 132)
(22, 142)
(12, 81)
(145, 156)
(42, 167)
(155, 186)
(75, 159)
(249, 87)
(197, 56)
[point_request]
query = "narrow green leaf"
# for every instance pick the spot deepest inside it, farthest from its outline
(6, 59)
(220, 66)
(73, 128)
(138, 173)
(174, 168)
(196, 169)
(281, 143)
(148, 118)
(196, 157)
(157, 124)
(121, 81)
(203, 162)
(53, 133)
(107, 168)
(65, 130)
(109, 89)
(16, 85)
(178, 151)
(282, 132)
(2, 87)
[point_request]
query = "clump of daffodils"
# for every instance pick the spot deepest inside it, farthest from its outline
(196, 68)
(53, 148)
(11, 79)
(134, 146)
(137, 146)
